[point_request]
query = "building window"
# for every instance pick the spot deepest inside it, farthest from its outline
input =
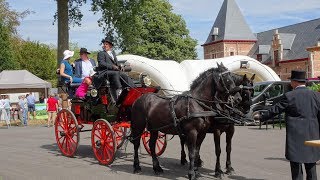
(231, 53)
(213, 56)
(259, 57)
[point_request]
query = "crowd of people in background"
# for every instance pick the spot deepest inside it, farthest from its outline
(24, 110)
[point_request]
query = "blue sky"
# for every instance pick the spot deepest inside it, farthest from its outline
(199, 16)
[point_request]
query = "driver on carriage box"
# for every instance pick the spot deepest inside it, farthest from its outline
(107, 60)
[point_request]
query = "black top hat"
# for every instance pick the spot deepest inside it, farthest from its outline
(84, 50)
(107, 39)
(297, 75)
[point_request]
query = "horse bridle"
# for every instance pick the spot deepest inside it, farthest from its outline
(228, 92)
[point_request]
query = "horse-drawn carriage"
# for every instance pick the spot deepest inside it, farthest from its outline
(110, 121)
(215, 94)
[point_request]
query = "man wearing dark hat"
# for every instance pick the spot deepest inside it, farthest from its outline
(84, 65)
(107, 60)
(302, 109)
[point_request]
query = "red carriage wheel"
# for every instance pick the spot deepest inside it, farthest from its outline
(67, 132)
(120, 135)
(161, 143)
(103, 141)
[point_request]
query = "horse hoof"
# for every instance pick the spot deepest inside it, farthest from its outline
(183, 162)
(192, 176)
(137, 170)
(158, 170)
(218, 174)
(197, 174)
(230, 171)
(199, 163)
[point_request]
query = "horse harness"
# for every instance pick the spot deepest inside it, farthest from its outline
(218, 112)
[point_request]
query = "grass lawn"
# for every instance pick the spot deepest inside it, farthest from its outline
(35, 122)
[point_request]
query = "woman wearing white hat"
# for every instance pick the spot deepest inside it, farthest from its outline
(66, 71)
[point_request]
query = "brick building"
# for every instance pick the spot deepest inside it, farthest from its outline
(283, 49)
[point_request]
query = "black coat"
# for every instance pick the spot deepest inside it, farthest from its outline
(105, 61)
(302, 109)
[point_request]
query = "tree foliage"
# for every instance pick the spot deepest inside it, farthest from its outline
(147, 28)
(74, 13)
(10, 18)
(37, 58)
(6, 54)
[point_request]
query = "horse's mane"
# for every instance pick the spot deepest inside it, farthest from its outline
(237, 78)
(204, 75)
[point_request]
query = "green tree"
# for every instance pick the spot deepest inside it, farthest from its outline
(11, 18)
(37, 58)
(6, 55)
(150, 29)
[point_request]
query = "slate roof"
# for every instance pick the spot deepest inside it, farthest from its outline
(295, 39)
(231, 24)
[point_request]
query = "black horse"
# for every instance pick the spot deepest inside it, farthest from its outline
(182, 115)
(217, 128)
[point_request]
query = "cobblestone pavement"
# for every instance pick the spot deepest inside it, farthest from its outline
(31, 153)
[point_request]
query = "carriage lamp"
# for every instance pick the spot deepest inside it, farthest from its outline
(94, 93)
(146, 81)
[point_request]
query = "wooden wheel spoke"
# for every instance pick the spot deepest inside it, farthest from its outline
(160, 141)
(158, 146)
(109, 154)
(96, 135)
(73, 140)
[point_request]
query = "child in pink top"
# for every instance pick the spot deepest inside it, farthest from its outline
(83, 88)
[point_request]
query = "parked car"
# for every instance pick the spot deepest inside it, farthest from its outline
(269, 93)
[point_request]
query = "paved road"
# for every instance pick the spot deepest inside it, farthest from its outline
(31, 153)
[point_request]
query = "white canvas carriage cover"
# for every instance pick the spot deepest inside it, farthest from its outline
(178, 76)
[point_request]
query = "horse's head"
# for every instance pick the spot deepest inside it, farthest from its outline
(227, 90)
(246, 92)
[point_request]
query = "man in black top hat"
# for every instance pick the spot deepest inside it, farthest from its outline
(107, 60)
(302, 109)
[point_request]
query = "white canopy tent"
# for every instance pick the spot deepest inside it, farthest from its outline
(174, 76)
(21, 81)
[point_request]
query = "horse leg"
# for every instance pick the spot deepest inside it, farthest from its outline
(229, 135)
(152, 144)
(198, 162)
(218, 171)
(137, 128)
(136, 163)
(191, 143)
(183, 160)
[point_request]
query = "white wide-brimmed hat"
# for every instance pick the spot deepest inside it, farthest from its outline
(67, 54)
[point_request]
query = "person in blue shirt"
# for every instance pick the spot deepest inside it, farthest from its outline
(66, 70)
(31, 106)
